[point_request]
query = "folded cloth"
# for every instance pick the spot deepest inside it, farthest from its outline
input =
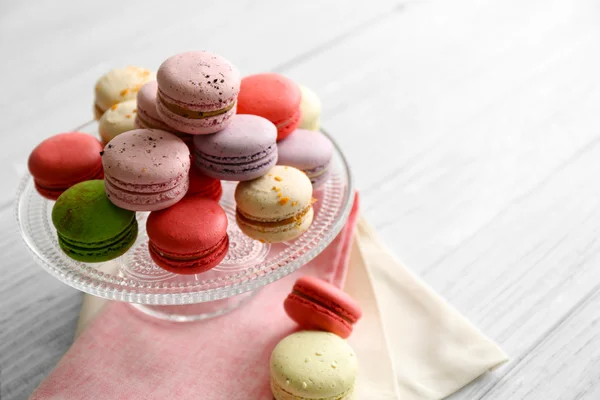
(435, 350)
(126, 355)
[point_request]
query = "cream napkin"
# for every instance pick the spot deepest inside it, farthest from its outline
(424, 349)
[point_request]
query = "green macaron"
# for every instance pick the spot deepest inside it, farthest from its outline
(90, 228)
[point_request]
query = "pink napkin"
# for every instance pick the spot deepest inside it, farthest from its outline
(125, 355)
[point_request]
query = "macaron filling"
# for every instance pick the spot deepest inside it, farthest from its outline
(328, 304)
(192, 111)
(143, 197)
(295, 219)
(290, 122)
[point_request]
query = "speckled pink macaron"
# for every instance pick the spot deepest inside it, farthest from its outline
(146, 169)
(197, 92)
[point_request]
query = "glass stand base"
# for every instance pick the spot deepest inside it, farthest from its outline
(195, 312)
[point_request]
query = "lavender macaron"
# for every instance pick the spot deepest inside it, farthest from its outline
(245, 149)
(308, 151)
(197, 92)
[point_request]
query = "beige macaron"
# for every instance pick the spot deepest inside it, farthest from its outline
(275, 207)
(117, 119)
(313, 365)
(311, 110)
(119, 85)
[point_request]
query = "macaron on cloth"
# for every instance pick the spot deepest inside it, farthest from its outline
(275, 207)
(245, 149)
(273, 97)
(313, 365)
(189, 237)
(316, 304)
(308, 151)
(146, 169)
(63, 160)
(90, 228)
(197, 92)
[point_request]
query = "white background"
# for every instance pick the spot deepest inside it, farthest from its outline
(473, 130)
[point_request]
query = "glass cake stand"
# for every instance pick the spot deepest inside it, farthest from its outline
(134, 278)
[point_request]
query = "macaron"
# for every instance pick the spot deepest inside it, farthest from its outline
(275, 207)
(308, 151)
(310, 108)
(63, 160)
(147, 117)
(316, 304)
(197, 92)
(273, 97)
(313, 365)
(190, 237)
(146, 169)
(90, 228)
(203, 185)
(119, 85)
(245, 149)
(117, 119)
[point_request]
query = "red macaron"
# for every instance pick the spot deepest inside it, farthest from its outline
(64, 160)
(204, 186)
(189, 237)
(274, 97)
(317, 305)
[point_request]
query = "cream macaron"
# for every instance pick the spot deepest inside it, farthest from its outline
(117, 119)
(310, 107)
(119, 85)
(275, 207)
(313, 365)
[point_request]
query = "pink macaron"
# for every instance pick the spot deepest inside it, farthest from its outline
(146, 169)
(317, 305)
(197, 92)
(147, 116)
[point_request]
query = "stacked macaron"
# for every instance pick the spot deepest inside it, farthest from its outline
(168, 140)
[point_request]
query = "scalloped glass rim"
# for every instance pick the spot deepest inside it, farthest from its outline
(88, 279)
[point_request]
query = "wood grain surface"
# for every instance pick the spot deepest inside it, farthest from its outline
(472, 127)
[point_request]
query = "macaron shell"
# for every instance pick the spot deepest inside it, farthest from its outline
(147, 117)
(282, 193)
(311, 315)
(117, 119)
(245, 149)
(199, 79)
(305, 150)
(195, 266)
(64, 160)
(269, 95)
(146, 156)
(140, 201)
(192, 225)
(310, 107)
(120, 85)
(313, 365)
(204, 186)
(90, 228)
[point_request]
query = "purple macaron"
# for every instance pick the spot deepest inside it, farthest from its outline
(245, 149)
(197, 92)
(308, 151)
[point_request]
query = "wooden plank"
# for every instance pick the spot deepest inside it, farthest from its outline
(565, 365)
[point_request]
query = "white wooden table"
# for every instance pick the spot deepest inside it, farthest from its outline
(473, 129)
